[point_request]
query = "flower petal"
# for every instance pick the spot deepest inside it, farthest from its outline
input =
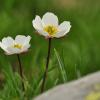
(60, 34)
(21, 39)
(12, 50)
(28, 38)
(37, 23)
(64, 28)
(43, 33)
(50, 19)
(25, 48)
(3, 47)
(8, 41)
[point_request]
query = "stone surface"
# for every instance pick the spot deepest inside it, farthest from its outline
(86, 88)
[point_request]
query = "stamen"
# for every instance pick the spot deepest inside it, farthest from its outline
(51, 29)
(19, 46)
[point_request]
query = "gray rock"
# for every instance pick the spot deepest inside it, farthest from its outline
(87, 88)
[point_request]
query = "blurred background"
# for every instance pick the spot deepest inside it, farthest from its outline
(75, 55)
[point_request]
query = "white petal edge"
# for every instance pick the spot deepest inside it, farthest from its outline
(25, 48)
(7, 41)
(49, 19)
(12, 50)
(37, 23)
(28, 38)
(43, 33)
(3, 47)
(64, 28)
(21, 39)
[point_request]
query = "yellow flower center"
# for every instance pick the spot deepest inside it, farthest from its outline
(19, 46)
(51, 29)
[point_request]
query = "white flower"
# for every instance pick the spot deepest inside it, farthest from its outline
(49, 26)
(17, 46)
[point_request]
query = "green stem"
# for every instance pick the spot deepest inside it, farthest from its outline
(47, 65)
(21, 71)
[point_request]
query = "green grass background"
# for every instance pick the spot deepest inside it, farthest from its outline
(72, 57)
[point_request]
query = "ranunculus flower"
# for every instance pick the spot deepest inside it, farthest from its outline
(49, 26)
(17, 46)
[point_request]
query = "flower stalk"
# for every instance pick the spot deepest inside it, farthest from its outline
(47, 65)
(21, 71)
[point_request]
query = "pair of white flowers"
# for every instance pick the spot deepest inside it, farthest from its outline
(48, 26)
